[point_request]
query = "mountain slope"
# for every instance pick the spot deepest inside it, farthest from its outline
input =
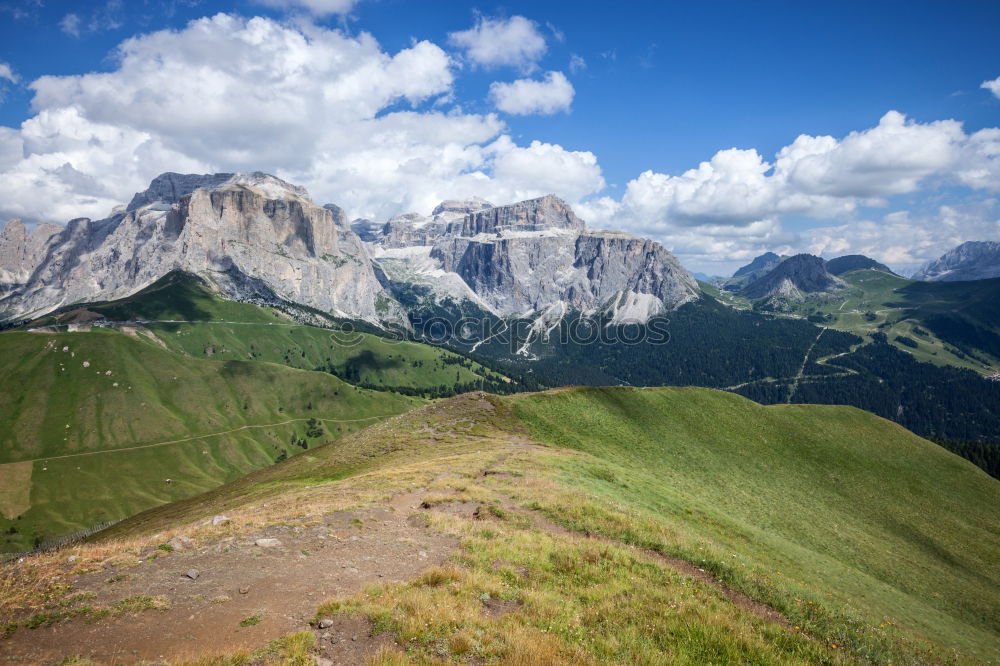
(94, 423)
(973, 260)
(842, 494)
(190, 318)
(817, 535)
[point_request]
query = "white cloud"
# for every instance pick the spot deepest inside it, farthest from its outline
(527, 96)
(891, 158)
(541, 168)
(7, 74)
(314, 7)
(979, 165)
(493, 42)
(311, 105)
(816, 176)
(993, 86)
(576, 64)
(70, 24)
(906, 241)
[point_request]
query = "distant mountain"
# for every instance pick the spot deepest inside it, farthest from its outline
(974, 260)
(526, 258)
(756, 269)
(761, 263)
(249, 234)
(793, 278)
(854, 262)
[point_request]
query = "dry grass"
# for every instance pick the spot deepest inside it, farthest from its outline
(295, 649)
(388, 657)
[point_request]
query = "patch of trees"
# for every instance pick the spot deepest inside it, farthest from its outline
(708, 345)
(983, 455)
(314, 428)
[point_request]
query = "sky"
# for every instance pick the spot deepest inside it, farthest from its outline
(721, 129)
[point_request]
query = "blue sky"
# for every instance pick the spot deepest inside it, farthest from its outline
(652, 87)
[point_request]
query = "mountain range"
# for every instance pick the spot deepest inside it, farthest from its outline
(255, 236)
(793, 278)
(558, 301)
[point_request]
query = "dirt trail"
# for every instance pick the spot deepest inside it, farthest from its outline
(237, 579)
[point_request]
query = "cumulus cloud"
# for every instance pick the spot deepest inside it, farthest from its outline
(817, 176)
(314, 7)
(313, 105)
(891, 158)
(528, 96)
(545, 167)
(993, 86)
(493, 42)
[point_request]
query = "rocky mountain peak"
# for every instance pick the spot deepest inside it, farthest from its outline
(972, 260)
(544, 213)
(169, 188)
(794, 277)
(763, 261)
(462, 206)
(248, 233)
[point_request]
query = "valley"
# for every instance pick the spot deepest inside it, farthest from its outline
(942, 323)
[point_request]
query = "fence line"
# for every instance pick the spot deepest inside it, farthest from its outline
(59, 542)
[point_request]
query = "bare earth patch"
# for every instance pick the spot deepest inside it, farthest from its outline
(245, 594)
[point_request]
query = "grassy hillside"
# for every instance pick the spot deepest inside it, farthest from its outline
(862, 542)
(828, 499)
(94, 422)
